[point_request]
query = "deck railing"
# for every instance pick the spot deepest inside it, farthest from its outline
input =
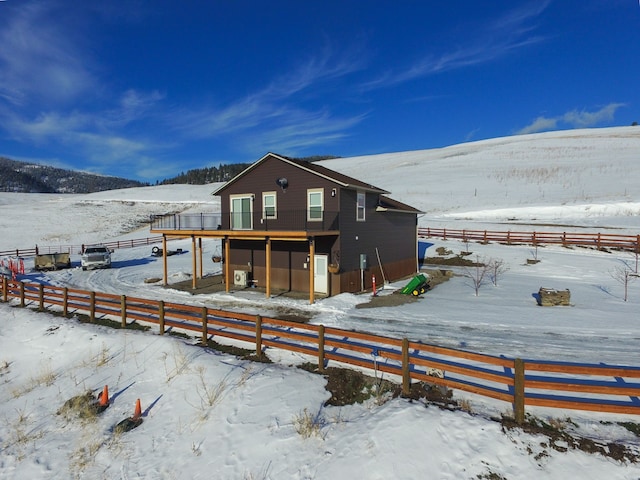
(282, 220)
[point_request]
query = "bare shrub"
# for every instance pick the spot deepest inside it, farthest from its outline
(308, 424)
(176, 365)
(497, 268)
(477, 273)
(210, 394)
(624, 275)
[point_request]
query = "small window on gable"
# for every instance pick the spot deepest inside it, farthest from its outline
(360, 206)
(269, 208)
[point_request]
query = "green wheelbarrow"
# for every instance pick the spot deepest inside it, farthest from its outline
(417, 286)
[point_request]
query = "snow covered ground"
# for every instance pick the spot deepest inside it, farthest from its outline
(209, 415)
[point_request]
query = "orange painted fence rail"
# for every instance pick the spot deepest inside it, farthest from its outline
(37, 250)
(594, 240)
(596, 387)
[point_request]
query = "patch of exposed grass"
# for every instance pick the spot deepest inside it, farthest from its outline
(561, 441)
(19, 432)
(239, 352)
(45, 377)
(4, 367)
(308, 424)
(456, 261)
(632, 427)
(83, 406)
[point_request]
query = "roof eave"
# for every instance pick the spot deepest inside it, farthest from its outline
(397, 210)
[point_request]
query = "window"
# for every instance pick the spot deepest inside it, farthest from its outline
(360, 206)
(269, 205)
(315, 204)
(241, 212)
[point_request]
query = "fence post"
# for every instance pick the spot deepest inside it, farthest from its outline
(205, 326)
(518, 390)
(123, 311)
(65, 301)
(92, 307)
(406, 375)
(259, 336)
(161, 316)
(22, 294)
(598, 241)
(444, 233)
(5, 289)
(508, 237)
(41, 297)
(321, 348)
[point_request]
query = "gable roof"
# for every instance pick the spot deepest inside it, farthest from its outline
(343, 180)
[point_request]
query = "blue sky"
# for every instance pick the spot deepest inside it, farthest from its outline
(145, 90)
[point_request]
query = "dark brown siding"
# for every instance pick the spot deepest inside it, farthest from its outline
(391, 235)
(294, 199)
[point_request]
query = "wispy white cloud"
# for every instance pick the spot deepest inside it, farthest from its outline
(46, 74)
(587, 119)
(505, 35)
(39, 59)
(574, 119)
(540, 124)
(276, 111)
(305, 130)
(53, 94)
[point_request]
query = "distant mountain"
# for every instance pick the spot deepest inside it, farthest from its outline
(35, 178)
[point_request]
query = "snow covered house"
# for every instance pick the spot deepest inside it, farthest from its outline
(290, 225)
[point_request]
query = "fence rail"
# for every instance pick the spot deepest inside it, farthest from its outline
(70, 249)
(594, 240)
(596, 387)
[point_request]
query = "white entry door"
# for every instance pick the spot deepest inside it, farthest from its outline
(320, 276)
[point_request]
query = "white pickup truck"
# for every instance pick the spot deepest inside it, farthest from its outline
(96, 256)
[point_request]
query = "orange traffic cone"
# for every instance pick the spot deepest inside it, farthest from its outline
(131, 422)
(104, 398)
(138, 412)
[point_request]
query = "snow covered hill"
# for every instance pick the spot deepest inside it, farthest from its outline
(579, 177)
(211, 415)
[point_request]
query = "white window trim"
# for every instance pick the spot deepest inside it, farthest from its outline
(275, 205)
(251, 197)
(364, 206)
(309, 192)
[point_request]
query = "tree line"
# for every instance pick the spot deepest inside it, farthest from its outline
(27, 177)
(223, 172)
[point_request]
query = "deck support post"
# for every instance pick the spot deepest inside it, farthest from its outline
(312, 285)
(268, 267)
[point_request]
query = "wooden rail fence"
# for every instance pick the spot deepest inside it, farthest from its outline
(595, 387)
(566, 239)
(37, 250)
